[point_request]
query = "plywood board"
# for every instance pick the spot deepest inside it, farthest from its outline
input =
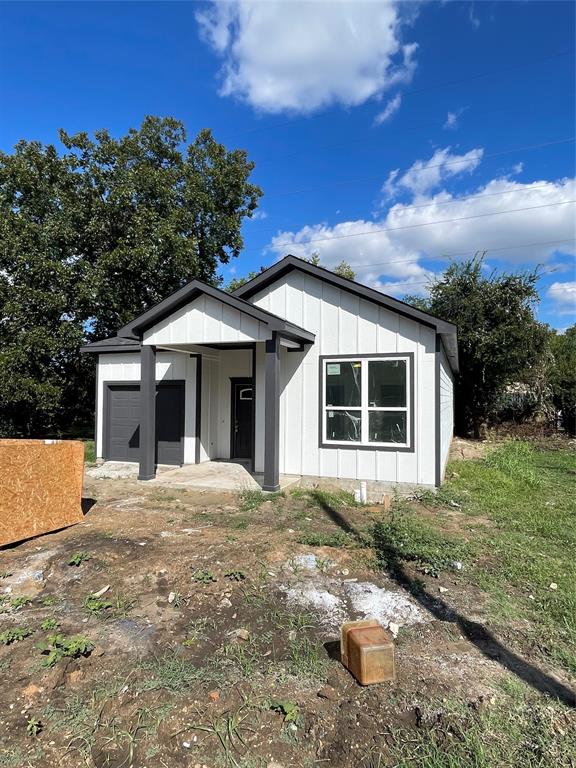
(40, 487)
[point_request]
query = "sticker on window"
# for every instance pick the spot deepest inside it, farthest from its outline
(333, 369)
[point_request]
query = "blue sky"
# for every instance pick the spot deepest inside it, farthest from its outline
(392, 135)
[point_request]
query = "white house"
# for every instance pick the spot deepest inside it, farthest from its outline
(298, 372)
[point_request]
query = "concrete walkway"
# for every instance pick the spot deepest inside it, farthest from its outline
(210, 475)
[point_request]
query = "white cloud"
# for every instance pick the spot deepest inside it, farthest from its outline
(389, 110)
(426, 175)
(563, 295)
(452, 119)
(282, 55)
(259, 215)
(474, 20)
(412, 234)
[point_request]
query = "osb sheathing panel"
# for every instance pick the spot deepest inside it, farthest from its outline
(40, 487)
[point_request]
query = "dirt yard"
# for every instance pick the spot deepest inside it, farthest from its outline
(182, 628)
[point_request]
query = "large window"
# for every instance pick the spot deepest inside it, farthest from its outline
(365, 401)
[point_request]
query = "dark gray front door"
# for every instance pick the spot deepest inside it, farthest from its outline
(242, 400)
(123, 423)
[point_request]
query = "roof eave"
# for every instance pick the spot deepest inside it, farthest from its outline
(289, 263)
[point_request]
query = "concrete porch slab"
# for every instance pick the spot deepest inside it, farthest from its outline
(210, 475)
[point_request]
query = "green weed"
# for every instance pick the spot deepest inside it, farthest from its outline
(33, 727)
(288, 709)
(204, 576)
(20, 602)
(49, 600)
(337, 539)
(405, 536)
(97, 605)
(78, 558)
(14, 635)
(58, 647)
(49, 624)
(235, 575)
(251, 499)
(117, 607)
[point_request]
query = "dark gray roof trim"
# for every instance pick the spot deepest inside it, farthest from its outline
(113, 344)
(446, 330)
(191, 291)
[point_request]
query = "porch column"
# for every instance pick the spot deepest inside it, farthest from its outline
(272, 415)
(147, 413)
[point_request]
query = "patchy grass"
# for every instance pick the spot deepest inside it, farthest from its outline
(336, 539)
(522, 556)
(251, 499)
(307, 659)
(405, 536)
(170, 672)
(523, 733)
(89, 451)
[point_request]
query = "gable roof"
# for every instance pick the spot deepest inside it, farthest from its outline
(135, 328)
(447, 331)
(113, 344)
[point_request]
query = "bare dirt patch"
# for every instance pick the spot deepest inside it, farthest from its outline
(214, 639)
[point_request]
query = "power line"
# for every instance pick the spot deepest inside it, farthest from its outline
(414, 91)
(360, 179)
(465, 253)
(425, 282)
(429, 223)
(523, 190)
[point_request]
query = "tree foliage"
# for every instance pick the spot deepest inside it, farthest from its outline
(343, 269)
(500, 343)
(563, 376)
(94, 235)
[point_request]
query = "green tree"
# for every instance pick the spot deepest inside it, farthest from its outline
(343, 269)
(238, 282)
(563, 376)
(41, 315)
(92, 236)
(499, 340)
(157, 214)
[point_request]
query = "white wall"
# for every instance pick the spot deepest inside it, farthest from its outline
(206, 321)
(446, 408)
(217, 369)
(345, 324)
(170, 366)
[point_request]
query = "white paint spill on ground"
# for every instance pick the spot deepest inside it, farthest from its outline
(385, 605)
(335, 601)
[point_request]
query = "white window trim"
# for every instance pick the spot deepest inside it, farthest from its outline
(365, 407)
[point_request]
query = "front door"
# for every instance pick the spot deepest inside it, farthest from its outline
(242, 404)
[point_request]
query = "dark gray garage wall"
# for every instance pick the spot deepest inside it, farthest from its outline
(121, 437)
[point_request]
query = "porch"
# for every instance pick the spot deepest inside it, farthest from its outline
(209, 475)
(228, 352)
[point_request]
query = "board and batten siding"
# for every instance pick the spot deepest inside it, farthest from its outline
(346, 324)
(446, 401)
(206, 321)
(170, 366)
